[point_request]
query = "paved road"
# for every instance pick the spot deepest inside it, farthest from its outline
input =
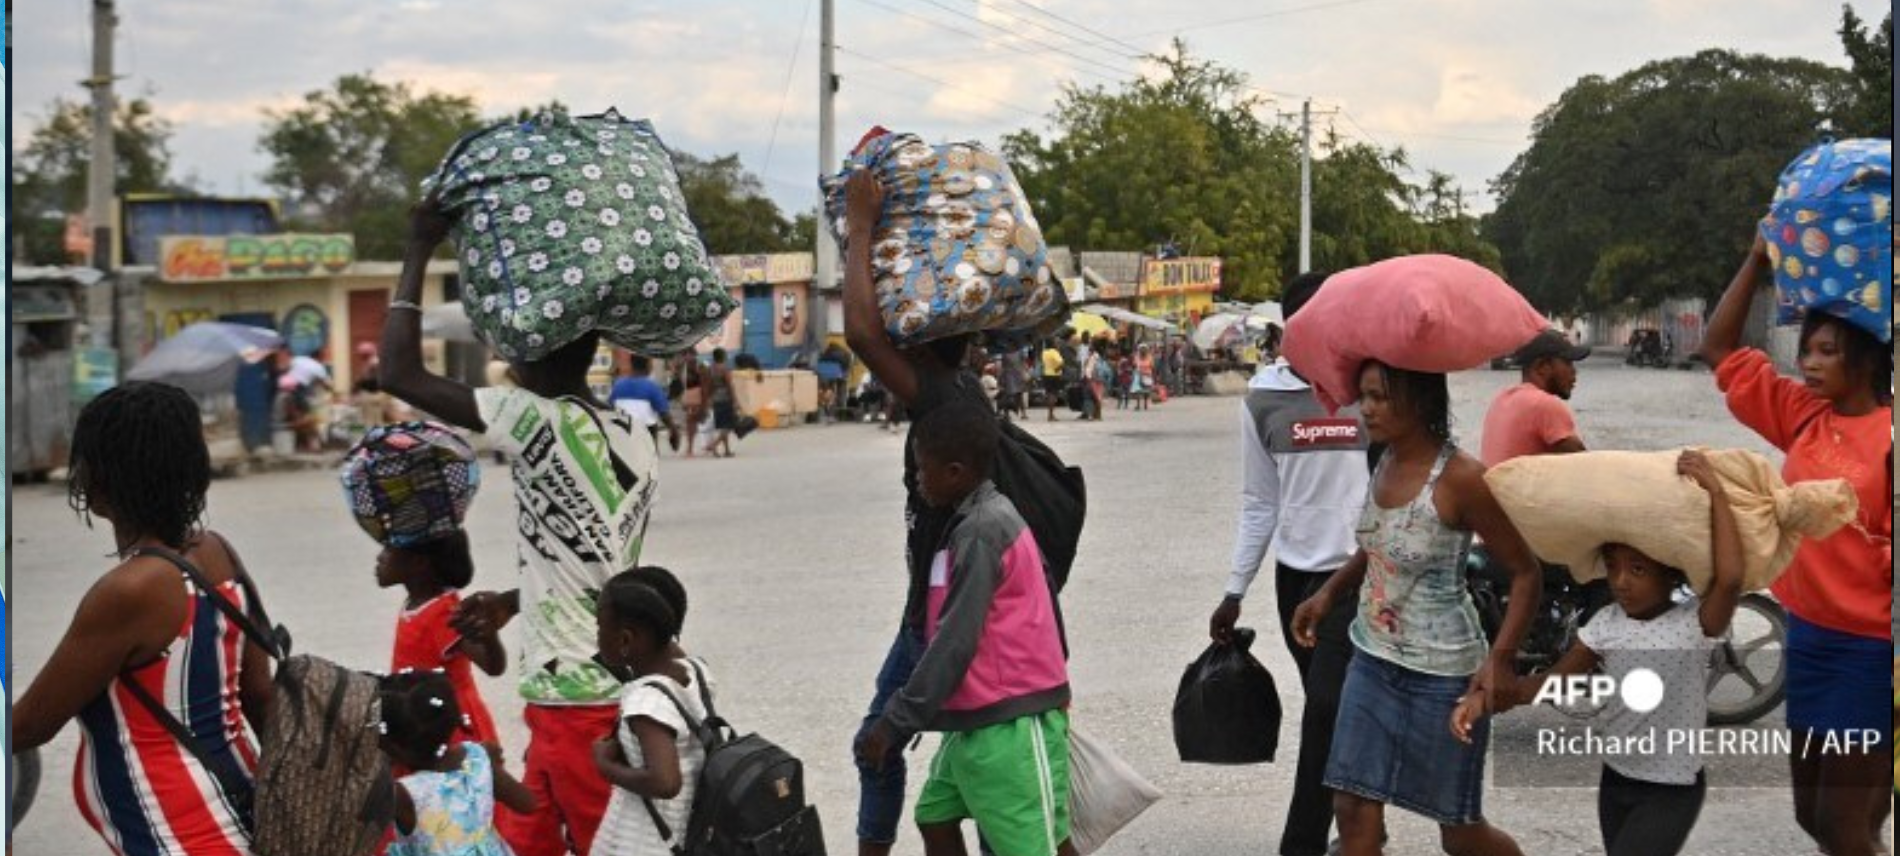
(791, 553)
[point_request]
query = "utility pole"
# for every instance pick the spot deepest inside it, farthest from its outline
(827, 249)
(102, 303)
(1306, 185)
(100, 172)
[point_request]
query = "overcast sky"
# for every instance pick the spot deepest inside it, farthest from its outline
(1456, 82)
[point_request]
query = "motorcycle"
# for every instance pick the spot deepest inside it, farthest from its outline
(1650, 348)
(1747, 676)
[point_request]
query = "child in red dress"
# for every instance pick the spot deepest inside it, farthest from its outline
(433, 573)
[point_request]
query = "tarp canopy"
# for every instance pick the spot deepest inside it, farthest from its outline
(203, 358)
(1114, 313)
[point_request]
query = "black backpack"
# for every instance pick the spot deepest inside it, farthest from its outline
(750, 799)
(1049, 494)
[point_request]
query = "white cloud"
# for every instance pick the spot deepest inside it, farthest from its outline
(711, 74)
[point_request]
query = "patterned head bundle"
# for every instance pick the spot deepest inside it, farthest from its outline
(566, 226)
(1830, 235)
(410, 483)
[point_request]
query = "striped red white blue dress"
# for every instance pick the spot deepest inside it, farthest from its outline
(144, 793)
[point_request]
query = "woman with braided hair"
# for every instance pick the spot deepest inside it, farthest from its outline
(149, 652)
(446, 807)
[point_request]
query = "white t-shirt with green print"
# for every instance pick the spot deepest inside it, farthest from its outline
(584, 483)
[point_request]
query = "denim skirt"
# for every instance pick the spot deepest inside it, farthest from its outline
(1393, 743)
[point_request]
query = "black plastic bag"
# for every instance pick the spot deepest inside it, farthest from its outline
(1227, 710)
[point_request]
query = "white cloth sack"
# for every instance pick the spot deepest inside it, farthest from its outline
(1105, 794)
(1569, 506)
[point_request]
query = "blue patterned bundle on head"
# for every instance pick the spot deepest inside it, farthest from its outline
(957, 250)
(410, 483)
(1830, 235)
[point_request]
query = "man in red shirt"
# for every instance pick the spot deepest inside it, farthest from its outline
(1531, 417)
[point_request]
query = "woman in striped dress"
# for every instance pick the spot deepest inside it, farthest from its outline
(139, 463)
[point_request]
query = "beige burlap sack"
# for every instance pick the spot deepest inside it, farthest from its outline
(1569, 506)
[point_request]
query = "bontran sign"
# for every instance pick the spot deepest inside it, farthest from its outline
(200, 258)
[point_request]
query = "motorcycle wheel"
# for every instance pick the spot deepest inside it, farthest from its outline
(23, 782)
(1748, 674)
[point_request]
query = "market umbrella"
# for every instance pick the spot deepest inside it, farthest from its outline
(1087, 323)
(203, 358)
(448, 322)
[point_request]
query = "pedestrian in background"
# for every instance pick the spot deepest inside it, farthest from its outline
(1303, 488)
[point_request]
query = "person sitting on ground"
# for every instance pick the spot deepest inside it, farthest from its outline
(1531, 418)
(584, 485)
(1647, 804)
(993, 674)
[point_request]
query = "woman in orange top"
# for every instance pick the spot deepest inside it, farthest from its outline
(1836, 422)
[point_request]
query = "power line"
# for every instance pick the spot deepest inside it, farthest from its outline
(1362, 129)
(1067, 36)
(797, 42)
(981, 39)
(1027, 111)
(1243, 19)
(1065, 52)
(1104, 37)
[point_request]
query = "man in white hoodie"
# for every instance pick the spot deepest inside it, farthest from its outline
(1302, 490)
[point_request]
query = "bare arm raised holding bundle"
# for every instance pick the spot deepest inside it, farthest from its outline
(403, 374)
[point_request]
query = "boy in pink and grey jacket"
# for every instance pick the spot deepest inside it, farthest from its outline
(994, 676)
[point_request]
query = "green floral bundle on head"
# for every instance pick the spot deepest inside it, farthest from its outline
(566, 226)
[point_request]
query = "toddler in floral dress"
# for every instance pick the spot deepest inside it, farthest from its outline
(447, 806)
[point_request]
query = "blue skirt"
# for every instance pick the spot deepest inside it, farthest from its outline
(1838, 682)
(1393, 743)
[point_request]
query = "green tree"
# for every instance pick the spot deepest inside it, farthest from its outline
(1183, 156)
(350, 158)
(1645, 187)
(48, 178)
(1870, 55)
(734, 215)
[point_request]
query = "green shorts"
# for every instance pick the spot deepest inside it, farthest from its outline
(1011, 778)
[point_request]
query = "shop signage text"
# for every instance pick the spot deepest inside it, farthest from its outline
(197, 258)
(1179, 276)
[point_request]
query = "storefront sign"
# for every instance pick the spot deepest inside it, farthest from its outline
(1179, 276)
(189, 258)
(306, 330)
(765, 268)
